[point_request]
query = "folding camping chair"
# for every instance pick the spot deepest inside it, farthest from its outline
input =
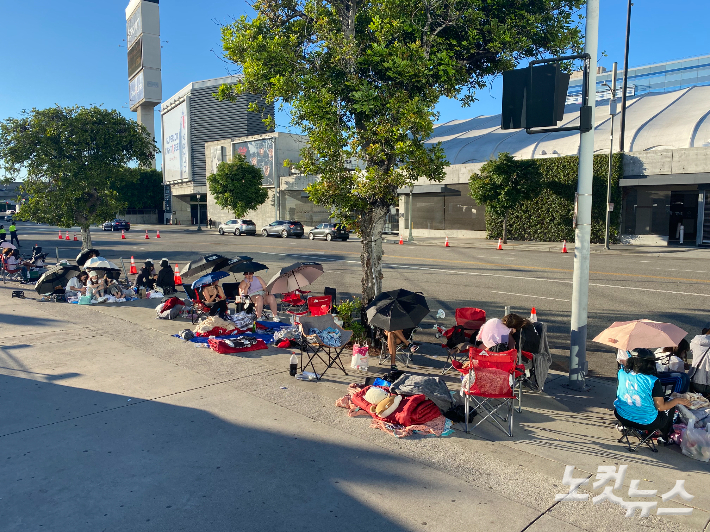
(198, 308)
(537, 368)
(471, 319)
(402, 353)
(295, 304)
(644, 437)
(315, 345)
(489, 384)
(319, 305)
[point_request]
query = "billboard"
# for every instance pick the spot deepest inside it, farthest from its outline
(175, 151)
(135, 57)
(136, 92)
(134, 27)
(259, 153)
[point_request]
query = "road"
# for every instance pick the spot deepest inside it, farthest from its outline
(670, 287)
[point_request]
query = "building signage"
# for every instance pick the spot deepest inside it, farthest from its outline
(167, 199)
(134, 27)
(259, 153)
(175, 152)
(135, 58)
(136, 91)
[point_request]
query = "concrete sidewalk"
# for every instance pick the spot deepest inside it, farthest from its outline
(111, 423)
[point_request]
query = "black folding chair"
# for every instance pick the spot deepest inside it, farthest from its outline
(643, 437)
(313, 347)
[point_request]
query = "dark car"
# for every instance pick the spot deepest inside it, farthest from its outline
(284, 228)
(238, 227)
(117, 225)
(329, 232)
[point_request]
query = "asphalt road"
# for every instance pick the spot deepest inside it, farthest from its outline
(672, 287)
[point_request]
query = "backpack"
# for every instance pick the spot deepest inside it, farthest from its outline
(458, 336)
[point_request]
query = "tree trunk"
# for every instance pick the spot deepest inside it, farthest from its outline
(505, 228)
(371, 227)
(85, 237)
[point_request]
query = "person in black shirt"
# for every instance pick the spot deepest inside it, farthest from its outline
(531, 340)
(166, 279)
(145, 277)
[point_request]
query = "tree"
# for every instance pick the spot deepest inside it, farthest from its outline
(143, 192)
(236, 186)
(502, 184)
(75, 158)
(362, 80)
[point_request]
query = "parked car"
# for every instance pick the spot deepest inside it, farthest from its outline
(237, 227)
(284, 228)
(329, 232)
(117, 225)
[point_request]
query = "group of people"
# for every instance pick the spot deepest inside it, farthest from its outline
(13, 234)
(88, 283)
(148, 278)
(643, 375)
(252, 291)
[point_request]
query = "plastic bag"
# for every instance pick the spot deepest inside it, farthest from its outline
(359, 359)
(696, 443)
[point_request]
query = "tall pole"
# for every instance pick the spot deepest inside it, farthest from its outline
(409, 215)
(612, 112)
(580, 277)
(199, 228)
(622, 124)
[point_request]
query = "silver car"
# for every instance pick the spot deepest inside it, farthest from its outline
(237, 227)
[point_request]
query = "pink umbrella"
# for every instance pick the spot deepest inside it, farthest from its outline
(493, 332)
(628, 335)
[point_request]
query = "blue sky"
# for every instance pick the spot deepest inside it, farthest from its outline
(68, 52)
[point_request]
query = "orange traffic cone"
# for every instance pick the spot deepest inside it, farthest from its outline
(67, 238)
(564, 246)
(401, 242)
(446, 242)
(146, 234)
(123, 234)
(158, 235)
(134, 270)
(533, 315)
(176, 277)
(60, 235)
(500, 243)
(75, 238)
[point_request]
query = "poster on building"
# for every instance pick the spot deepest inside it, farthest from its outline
(175, 152)
(259, 153)
(136, 92)
(216, 157)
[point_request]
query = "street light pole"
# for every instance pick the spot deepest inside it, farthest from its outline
(409, 215)
(199, 227)
(580, 276)
(622, 123)
(612, 112)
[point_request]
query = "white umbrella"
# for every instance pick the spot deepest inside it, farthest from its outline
(4, 244)
(97, 263)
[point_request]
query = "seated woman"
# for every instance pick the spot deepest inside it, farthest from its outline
(214, 298)
(518, 325)
(639, 397)
(166, 279)
(670, 368)
(95, 287)
(254, 287)
(145, 277)
(495, 336)
(394, 338)
(77, 285)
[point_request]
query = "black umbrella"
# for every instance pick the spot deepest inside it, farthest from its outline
(397, 309)
(203, 265)
(85, 254)
(294, 277)
(55, 276)
(226, 264)
(248, 266)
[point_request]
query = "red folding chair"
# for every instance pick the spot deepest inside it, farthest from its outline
(320, 305)
(490, 383)
(471, 319)
(295, 304)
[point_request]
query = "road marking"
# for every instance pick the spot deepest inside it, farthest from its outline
(527, 295)
(644, 261)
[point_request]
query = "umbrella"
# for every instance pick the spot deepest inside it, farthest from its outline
(58, 275)
(103, 267)
(226, 264)
(397, 309)
(204, 264)
(5, 244)
(628, 335)
(294, 277)
(249, 266)
(209, 279)
(82, 257)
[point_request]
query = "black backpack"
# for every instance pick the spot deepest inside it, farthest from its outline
(458, 336)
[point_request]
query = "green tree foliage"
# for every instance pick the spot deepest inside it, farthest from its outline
(143, 191)
(546, 215)
(75, 159)
(502, 184)
(236, 186)
(362, 79)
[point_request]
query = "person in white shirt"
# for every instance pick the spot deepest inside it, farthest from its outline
(700, 349)
(77, 285)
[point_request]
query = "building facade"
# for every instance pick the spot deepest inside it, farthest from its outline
(190, 119)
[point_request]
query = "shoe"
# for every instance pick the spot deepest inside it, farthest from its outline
(393, 368)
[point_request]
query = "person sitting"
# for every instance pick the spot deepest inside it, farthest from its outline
(145, 277)
(639, 400)
(255, 287)
(77, 285)
(699, 348)
(214, 298)
(13, 264)
(495, 336)
(518, 325)
(115, 289)
(166, 279)
(95, 287)
(393, 339)
(670, 369)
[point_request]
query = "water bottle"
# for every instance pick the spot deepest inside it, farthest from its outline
(293, 366)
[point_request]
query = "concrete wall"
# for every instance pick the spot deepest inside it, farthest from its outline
(664, 162)
(141, 218)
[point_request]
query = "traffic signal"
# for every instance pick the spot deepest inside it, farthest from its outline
(534, 96)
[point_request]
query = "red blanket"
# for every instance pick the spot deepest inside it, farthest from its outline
(222, 347)
(413, 410)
